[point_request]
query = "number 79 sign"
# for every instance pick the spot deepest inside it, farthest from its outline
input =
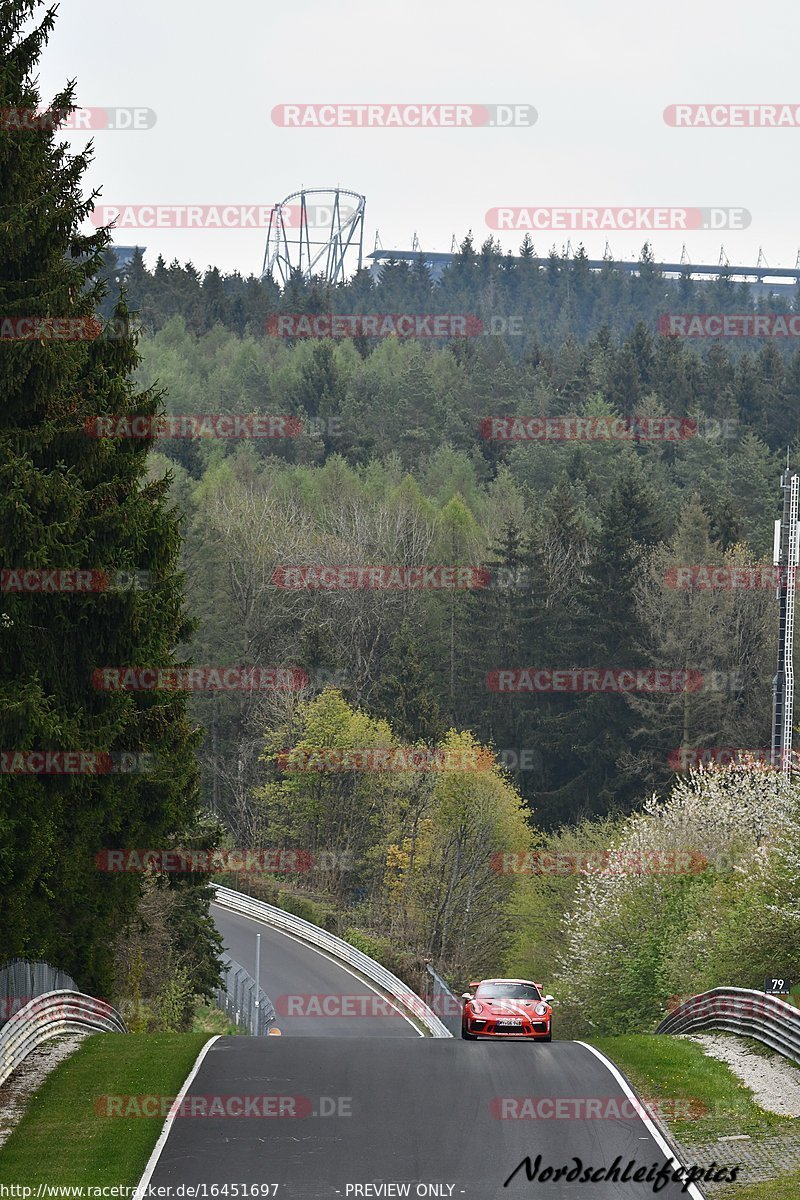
(777, 987)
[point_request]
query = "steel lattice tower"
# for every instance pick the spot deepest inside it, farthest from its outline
(313, 231)
(785, 556)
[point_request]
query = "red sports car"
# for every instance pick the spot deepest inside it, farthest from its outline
(507, 1008)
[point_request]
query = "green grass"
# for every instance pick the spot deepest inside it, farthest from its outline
(775, 1189)
(209, 1019)
(62, 1140)
(676, 1072)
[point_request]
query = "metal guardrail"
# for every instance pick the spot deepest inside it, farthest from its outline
(237, 997)
(49, 1016)
(443, 1002)
(740, 1010)
(278, 919)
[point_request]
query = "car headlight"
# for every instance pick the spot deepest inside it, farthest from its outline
(541, 1010)
(476, 1008)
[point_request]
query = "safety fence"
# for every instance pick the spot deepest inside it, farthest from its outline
(21, 981)
(740, 1010)
(246, 1005)
(276, 918)
(53, 1015)
(442, 1001)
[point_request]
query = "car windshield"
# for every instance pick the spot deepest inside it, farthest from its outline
(508, 991)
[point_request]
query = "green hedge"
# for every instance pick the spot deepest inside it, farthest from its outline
(400, 962)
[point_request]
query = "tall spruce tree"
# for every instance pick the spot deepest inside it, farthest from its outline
(497, 635)
(70, 501)
(589, 734)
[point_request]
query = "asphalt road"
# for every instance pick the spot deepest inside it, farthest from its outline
(371, 1111)
(300, 979)
(365, 1108)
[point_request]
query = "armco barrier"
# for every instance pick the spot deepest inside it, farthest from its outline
(740, 1010)
(49, 1016)
(276, 918)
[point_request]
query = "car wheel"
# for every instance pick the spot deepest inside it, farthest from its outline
(549, 1037)
(468, 1037)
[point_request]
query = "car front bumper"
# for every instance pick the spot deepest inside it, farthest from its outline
(531, 1030)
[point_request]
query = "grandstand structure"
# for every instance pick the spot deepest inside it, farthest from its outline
(761, 278)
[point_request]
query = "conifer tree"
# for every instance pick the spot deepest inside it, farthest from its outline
(588, 734)
(70, 501)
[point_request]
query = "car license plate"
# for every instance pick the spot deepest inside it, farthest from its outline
(510, 1021)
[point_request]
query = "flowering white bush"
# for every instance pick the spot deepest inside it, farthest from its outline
(655, 917)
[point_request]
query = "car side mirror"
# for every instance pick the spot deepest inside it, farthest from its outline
(466, 995)
(548, 999)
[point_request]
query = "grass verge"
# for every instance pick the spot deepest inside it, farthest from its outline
(210, 1019)
(699, 1097)
(775, 1189)
(62, 1140)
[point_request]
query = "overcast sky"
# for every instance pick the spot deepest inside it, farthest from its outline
(598, 74)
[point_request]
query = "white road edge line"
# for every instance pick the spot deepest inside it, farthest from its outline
(652, 1129)
(152, 1162)
(330, 957)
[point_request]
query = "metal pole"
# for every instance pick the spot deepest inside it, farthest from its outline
(258, 982)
